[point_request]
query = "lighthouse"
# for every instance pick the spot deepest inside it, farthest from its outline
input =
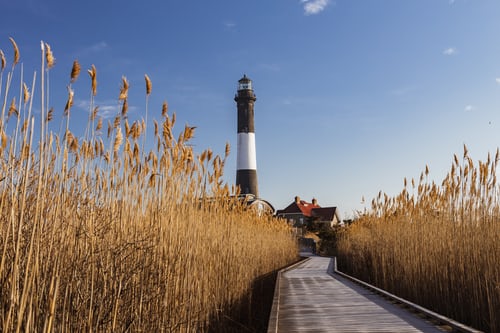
(246, 163)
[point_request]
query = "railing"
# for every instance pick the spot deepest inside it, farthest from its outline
(440, 319)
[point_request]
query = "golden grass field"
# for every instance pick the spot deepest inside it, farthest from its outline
(436, 245)
(99, 234)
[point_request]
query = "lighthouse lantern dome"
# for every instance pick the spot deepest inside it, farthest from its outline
(245, 83)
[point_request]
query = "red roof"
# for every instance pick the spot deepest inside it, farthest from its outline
(324, 214)
(301, 206)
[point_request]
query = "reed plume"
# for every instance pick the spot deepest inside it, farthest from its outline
(13, 108)
(93, 77)
(118, 140)
(75, 72)
(49, 56)
(16, 51)
(123, 89)
(94, 113)
(148, 84)
(50, 115)
(99, 124)
(3, 61)
(124, 107)
(26, 93)
(4, 140)
(69, 102)
(227, 150)
(164, 109)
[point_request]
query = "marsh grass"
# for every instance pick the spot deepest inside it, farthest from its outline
(436, 245)
(97, 234)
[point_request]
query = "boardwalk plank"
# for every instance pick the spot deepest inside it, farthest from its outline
(311, 300)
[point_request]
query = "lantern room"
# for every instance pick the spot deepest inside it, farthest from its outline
(244, 83)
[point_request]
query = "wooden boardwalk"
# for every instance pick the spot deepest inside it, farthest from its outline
(308, 299)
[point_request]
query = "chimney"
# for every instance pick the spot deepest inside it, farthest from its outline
(297, 199)
(314, 201)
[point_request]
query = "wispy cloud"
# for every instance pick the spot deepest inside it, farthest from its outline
(107, 109)
(497, 80)
(451, 2)
(312, 7)
(402, 91)
(93, 49)
(229, 25)
(469, 108)
(450, 51)
(97, 47)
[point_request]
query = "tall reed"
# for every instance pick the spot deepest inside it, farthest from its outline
(436, 245)
(119, 238)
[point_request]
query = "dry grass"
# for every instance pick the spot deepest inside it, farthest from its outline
(118, 238)
(438, 246)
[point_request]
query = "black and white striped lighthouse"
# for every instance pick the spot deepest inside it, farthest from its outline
(246, 166)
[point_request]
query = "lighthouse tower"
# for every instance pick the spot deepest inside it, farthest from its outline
(246, 166)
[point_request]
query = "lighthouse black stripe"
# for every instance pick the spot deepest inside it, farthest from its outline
(245, 118)
(247, 181)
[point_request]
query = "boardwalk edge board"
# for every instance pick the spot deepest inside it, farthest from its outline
(455, 325)
(272, 326)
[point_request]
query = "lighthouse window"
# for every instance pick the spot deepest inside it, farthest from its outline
(246, 85)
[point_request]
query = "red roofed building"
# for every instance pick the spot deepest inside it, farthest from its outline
(302, 213)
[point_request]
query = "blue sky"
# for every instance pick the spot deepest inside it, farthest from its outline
(352, 95)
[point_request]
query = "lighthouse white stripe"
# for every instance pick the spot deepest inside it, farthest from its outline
(246, 159)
